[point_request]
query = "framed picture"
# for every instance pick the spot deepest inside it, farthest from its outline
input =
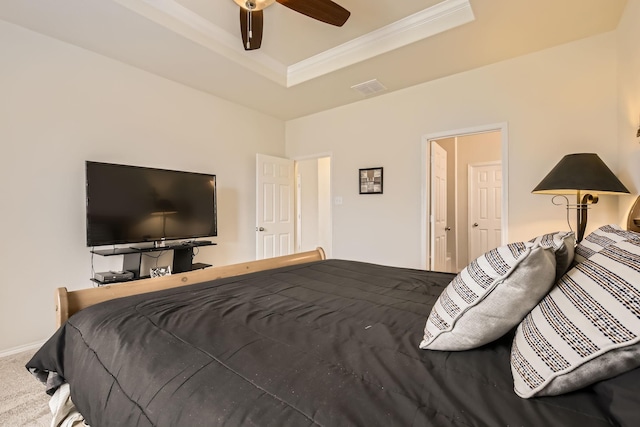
(371, 181)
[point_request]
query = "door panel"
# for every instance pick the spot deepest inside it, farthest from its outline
(438, 207)
(485, 207)
(274, 206)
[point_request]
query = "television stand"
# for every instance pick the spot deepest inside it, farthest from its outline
(182, 256)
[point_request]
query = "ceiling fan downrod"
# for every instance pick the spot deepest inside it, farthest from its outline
(249, 28)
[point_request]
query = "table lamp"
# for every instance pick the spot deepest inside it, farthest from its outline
(581, 174)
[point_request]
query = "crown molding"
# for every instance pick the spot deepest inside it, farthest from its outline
(181, 20)
(426, 23)
(438, 18)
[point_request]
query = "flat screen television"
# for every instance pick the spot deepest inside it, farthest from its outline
(132, 204)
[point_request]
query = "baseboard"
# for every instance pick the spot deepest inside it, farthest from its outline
(15, 350)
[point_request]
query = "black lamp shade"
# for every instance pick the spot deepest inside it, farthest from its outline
(584, 172)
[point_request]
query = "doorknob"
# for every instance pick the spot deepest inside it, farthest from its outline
(447, 229)
(259, 228)
(475, 224)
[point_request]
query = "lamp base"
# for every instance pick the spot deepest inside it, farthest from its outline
(582, 207)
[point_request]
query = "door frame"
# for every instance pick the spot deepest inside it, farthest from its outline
(329, 250)
(503, 128)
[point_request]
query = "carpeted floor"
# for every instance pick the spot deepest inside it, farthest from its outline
(23, 401)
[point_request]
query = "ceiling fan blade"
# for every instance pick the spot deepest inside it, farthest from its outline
(322, 10)
(251, 28)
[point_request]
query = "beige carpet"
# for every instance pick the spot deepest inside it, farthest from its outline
(23, 401)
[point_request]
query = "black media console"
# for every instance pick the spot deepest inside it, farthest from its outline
(182, 256)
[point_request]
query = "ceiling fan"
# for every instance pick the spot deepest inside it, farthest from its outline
(251, 18)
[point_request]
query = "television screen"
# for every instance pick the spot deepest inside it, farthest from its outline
(131, 204)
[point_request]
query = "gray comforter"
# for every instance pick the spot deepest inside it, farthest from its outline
(331, 343)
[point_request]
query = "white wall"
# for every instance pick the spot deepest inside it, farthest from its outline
(557, 101)
(61, 105)
(629, 103)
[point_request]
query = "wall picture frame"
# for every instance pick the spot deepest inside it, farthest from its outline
(370, 180)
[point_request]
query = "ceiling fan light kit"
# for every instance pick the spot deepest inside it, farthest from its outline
(254, 4)
(251, 16)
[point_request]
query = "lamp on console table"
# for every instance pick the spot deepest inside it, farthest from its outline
(581, 174)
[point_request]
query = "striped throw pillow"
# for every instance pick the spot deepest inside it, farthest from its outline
(586, 329)
(600, 239)
(492, 294)
(563, 245)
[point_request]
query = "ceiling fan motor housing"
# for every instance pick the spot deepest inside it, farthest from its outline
(251, 16)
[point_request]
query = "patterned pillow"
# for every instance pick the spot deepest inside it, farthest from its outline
(492, 294)
(586, 329)
(600, 239)
(563, 245)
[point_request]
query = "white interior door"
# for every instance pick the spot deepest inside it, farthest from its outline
(438, 208)
(485, 208)
(274, 206)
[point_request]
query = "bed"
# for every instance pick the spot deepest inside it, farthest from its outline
(294, 341)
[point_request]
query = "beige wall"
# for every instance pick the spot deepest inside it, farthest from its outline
(61, 105)
(629, 104)
(557, 101)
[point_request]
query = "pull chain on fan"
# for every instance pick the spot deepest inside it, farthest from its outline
(251, 17)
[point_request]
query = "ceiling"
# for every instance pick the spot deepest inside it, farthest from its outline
(305, 66)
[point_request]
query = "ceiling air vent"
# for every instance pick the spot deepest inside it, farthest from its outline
(369, 88)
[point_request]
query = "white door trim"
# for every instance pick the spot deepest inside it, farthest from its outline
(503, 128)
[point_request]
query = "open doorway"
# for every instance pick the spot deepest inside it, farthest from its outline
(464, 189)
(313, 204)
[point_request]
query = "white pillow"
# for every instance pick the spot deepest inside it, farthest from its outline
(600, 239)
(493, 294)
(586, 329)
(563, 245)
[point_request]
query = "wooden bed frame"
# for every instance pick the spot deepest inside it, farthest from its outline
(70, 302)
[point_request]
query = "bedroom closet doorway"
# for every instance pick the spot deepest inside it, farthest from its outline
(293, 205)
(457, 198)
(313, 204)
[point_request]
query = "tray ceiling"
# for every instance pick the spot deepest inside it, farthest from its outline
(305, 66)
